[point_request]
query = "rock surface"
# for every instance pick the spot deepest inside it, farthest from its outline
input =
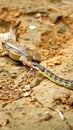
(27, 99)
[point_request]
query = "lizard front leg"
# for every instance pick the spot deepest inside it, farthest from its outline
(25, 62)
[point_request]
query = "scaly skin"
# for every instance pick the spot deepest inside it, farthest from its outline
(47, 73)
(19, 53)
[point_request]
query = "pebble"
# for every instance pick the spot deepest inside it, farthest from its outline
(13, 75)
(54, 17)
(61, 28)
(32, 27)
(27, 87)
(4, 122)
(26, 94)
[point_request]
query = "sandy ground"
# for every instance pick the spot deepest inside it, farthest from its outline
(28, 100)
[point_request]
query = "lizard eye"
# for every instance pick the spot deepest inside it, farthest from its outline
(3, 43)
